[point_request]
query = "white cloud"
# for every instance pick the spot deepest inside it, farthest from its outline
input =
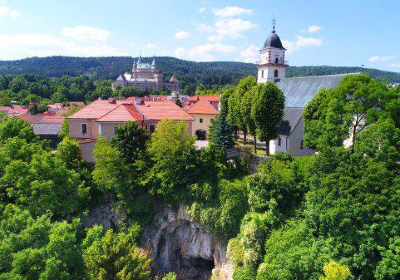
(395, 65)
(7, 12)
(86, 33)
(314, 28)
(226, 28)
(182, 35)
(249, 54)
(378, 58)
(205, 52)
(202, 10)
(14, 46)
(231, 11)
(151, 46)
(301, 42)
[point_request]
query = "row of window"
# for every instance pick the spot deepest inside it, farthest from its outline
(201, 120)
(151, 128)
(276, 74)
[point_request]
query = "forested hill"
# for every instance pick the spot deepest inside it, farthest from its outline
(219, 73)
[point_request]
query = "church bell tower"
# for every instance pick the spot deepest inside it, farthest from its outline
(272, 64)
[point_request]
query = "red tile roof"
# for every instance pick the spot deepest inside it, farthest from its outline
(203, 107)
(13, 110)
(43, 119)
(159, 110)
(204, 97)
(96, 109)
(122, 113)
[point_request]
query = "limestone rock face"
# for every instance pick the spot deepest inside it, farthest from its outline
(181, 245)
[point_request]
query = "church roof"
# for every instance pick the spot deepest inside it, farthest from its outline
(300, 90)
(273, 41)
(291, 118)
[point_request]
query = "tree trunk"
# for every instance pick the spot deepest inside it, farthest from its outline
(353, 138)
(267, 148)
(245, 137)
(255, 143)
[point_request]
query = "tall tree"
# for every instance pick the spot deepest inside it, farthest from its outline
(267, 111)
(235, 104)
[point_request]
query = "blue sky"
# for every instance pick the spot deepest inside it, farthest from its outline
(339, 32)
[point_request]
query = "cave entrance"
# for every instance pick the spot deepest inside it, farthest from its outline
(187, 250)
(189, 268)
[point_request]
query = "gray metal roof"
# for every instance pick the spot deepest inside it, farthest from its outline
(300, 90)
(46, 128)
(273, 41)
(292, 116)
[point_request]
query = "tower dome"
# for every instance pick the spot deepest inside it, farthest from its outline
(273, 41)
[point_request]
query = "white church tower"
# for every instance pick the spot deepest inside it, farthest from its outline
(272, 62)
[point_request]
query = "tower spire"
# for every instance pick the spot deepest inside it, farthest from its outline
(273, 22)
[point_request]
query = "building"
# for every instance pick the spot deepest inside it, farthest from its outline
(204, 113)
(13, 110)
(213, 99)
(145, 76)
(101, 118)
(298, 93)
(46, 125)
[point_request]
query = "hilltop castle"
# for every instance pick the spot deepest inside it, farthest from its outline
(145, 76)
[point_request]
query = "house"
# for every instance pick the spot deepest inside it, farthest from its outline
(13, 110)
(204, 114)
(46, 126)
(298, 93)
(101, 118)
(213, 99)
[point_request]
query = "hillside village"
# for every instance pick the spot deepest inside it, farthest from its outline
(270, 177)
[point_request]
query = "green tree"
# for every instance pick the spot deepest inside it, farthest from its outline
(114, 256)
(335, 271)
(221, 133)
(174, 155)
(169, 276)
(236, 110)
(15, 127)
(344, 112)
(267, 111)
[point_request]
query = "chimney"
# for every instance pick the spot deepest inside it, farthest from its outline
(139, 100)
(111, 100)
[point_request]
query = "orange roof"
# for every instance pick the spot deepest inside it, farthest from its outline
(13, 110)
(96, 109)
(202, 107)
(159, 110)
(52, 119)
(122, 113)
(205, 97)
(30, 118)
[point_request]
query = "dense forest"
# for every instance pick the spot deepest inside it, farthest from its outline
(330, 216)
(189, 72)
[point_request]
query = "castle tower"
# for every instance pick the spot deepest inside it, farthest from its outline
(272, 64)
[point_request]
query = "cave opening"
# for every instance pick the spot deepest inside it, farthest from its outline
(186, 250)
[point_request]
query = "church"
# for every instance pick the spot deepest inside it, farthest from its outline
(298, 92)
(145, 76)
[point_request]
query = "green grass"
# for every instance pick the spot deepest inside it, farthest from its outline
(260, 150)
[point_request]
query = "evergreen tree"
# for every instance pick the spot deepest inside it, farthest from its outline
(221, 133)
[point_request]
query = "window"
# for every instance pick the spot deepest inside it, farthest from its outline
(276, 60)
(84, 128)
(301, 145)
(152, 128)
(276, 73)
(201, 120)
(262, 74)
(279, 141)
(212, 120)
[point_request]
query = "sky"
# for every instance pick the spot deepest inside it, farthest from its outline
(323, 32)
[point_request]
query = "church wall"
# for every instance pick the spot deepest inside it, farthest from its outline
(295, 142)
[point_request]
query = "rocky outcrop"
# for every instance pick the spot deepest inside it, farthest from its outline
(106, 214)
(181, 245)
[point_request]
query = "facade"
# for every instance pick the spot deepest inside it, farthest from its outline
(145, 76)
(102, 117)
(298, 93)
(204, 114)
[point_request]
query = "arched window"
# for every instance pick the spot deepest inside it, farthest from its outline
(276, 73)
(276, 60)
(262, 73)
(279, 141)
